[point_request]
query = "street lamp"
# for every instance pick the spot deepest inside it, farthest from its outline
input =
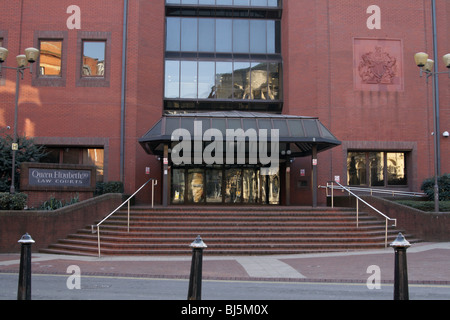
(24, 61)
(430, 68)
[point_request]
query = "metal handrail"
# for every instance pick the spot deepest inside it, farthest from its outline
(154, 183)
(341, 187)
(384, 191)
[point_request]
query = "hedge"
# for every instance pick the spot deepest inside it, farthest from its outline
(17, 201)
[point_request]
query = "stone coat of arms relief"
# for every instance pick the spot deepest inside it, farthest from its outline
(378, 65)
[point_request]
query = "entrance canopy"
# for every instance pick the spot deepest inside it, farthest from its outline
(297, 134)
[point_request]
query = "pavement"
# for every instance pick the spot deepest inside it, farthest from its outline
(428, 263)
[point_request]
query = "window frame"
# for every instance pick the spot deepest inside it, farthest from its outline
(93, 81)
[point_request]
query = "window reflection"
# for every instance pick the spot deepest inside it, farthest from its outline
(233, 186)
(214, 186)
(178, 186)
(356, 168)
(94, 58)
(222, 80)
(196, 185)
(396, 169)
(371, 168)
(50, 58)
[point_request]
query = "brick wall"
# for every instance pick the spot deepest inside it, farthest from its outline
(46, 227)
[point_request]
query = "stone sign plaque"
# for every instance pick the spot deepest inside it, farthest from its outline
(59, 177)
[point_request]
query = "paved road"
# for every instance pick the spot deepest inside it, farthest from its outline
(54, 287)
(327, 276)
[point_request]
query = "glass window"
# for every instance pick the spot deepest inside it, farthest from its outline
(189, 34)
(241, 35)
(172, 79)
(50, 57)
(241, 80)
(259, 84)
(273, 87)
(188, 88)
(178, 186)
(206, 80)
(258, 36)
(214, 186)
(376, 173)
(206, 35)
(195, 185)
(371, 168)
(271, 37)
(94, 58)
(396, 168)
(356, 168)
(223, 35)
(224, 80)
(173, 36)
(233, 185)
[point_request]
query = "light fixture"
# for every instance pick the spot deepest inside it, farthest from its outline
(447, 60)
(3, 54)
(32, 54)
(421, 59)
(428, 67)
(21, 60)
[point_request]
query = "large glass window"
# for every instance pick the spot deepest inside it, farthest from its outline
(222, 80)
(222, 35)
(372, 168)
(246, 3)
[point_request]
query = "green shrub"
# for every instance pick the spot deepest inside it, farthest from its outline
(17, 201)
(444, 206)
(108, 187)
(444, 187)
(54, 204)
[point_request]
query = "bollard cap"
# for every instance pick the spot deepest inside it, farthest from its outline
(26, 239)
(198, 244)
(400, 242)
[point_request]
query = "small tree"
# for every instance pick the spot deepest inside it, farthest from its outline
(443, 184)
(28, 152)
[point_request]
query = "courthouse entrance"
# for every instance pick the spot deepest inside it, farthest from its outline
(192, 174)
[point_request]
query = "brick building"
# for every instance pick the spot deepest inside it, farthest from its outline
(342, 70)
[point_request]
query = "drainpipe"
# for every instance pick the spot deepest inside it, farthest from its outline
(123, 89)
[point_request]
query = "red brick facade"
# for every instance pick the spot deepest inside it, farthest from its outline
(321, 77)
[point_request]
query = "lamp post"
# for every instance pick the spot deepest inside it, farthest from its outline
(430, 68)
(24, 61)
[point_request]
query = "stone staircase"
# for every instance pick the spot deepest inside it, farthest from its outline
(230, 231)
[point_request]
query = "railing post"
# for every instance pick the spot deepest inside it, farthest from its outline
(153, 192)
(98, 239)
(128, 217)
(24, 289)
(195, 278)
(357, 213)
(401, 291)
(332, 194)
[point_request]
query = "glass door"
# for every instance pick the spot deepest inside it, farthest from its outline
(178, 186)
(195, 192)
(213, 186)
(233, 186)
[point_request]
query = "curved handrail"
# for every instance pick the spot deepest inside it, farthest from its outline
(358, 198)
(154, 183)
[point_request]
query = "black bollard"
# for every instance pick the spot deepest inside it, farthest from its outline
(195, 279)
(401, 291)
(24, 289)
